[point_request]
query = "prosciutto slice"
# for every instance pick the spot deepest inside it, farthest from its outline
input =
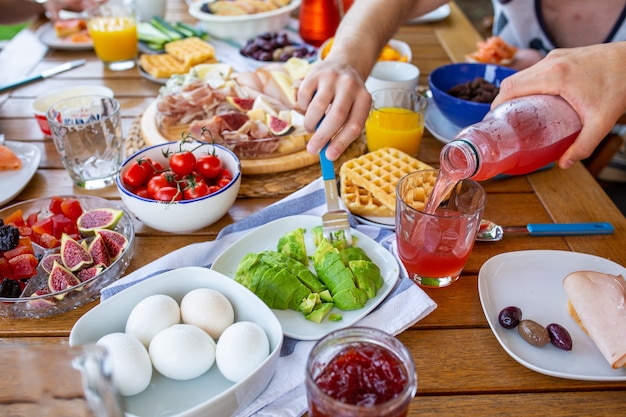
(600, 303)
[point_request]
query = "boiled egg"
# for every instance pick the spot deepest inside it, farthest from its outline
(182, 352)
(240, 349)
(207, 309)
(151, 315)
(130, 362)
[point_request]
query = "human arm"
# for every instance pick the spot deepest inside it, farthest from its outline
(590, 79)
(335, 86)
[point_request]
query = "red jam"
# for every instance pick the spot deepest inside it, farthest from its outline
(363, 374)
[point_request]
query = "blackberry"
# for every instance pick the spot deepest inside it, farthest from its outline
(10, 288)
(9, 237)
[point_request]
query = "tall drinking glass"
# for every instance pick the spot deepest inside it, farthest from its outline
(434, 247)
(113, 29)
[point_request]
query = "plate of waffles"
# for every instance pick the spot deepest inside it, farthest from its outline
(178, 58)
(367, 184)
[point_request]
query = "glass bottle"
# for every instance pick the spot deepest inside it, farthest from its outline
(319, 20)
(515, 138)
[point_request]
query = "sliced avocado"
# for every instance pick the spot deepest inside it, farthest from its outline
(350, 299)
(307, 277)
(335, 317)
(292, 244)
(325, 296)
(353, 253)
(319, 312)
(300, 294)
(307, 305)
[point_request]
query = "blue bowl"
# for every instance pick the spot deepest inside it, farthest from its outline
(463, 112)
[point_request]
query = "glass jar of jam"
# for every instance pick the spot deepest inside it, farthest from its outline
(359, 371)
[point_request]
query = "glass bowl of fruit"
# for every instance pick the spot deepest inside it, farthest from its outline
(57, 253)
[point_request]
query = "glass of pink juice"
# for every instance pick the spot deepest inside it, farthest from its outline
(434, 247)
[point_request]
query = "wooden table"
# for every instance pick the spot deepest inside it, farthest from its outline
(462, 370)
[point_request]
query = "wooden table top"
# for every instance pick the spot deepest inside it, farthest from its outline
(462, 370)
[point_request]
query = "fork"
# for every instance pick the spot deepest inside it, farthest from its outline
(335, 222)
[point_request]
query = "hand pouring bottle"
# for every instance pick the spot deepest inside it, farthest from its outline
(515, 138)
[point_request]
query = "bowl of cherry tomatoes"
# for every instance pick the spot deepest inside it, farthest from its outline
(180, 187)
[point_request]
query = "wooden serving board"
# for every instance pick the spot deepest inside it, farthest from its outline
(152, 136)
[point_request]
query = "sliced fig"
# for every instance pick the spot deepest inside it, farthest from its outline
(114, 242)
(74, 256)
(37, 303)
(48, 261)
(88, 273)
(61, 279)
(241, 104)
(101, 218)
(98, 251)
(277, 126)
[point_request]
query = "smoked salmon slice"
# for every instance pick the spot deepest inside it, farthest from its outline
(493, 50)
(8, 159)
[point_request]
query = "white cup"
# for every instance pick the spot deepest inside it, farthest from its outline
(147, 9)
(393, 74)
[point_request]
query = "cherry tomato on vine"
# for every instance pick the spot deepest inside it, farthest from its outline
(183, 162)
(168, 194)
(142, 192)
(208, 165)
(196, 190)
(136, 175)
(157, 182)
(223, 182)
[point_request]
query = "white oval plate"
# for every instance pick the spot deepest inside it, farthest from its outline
(533, 281)
(13, 182)
(210, 393)
(293, 323)
(382, 222)
(47, 35)
(438, 125)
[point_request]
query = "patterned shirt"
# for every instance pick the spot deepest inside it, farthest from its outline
(520, 23)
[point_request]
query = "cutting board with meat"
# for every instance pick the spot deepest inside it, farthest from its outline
(252, 113)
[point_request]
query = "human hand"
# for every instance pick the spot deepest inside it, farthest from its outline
(333, 90)
(589, 79)
(54, 7)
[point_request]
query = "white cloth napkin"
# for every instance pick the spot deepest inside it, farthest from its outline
(285, 395)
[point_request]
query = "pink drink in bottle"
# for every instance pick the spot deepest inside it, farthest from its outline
(515, 138)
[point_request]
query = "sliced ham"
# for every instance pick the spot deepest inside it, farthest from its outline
(599, 301)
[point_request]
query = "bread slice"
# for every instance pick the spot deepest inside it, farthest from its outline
(67, 27)
(597, 304)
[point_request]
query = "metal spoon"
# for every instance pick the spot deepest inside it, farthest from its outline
(491, 232)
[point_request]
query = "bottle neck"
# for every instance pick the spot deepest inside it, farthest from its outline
(459, 159)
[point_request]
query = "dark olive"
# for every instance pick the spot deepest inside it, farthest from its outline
(533, 332)
(559, 337)
(510, 317)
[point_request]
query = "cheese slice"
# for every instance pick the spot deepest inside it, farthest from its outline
(599, 301)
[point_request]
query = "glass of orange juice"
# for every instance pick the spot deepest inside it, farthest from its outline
(396, 120)
(113, 29)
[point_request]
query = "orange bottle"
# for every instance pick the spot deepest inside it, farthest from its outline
(318, 20)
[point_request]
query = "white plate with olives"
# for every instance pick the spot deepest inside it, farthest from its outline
(533, 282)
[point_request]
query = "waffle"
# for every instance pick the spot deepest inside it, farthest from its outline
(360, 201)
(162, 65)
(378, 173)
(191, 51)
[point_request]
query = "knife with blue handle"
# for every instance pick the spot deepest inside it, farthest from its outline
(44, 74)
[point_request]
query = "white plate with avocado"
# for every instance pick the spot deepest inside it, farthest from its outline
(294, 324)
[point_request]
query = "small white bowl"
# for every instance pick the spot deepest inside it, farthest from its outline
(186, 215)
(209, 394)
(43, 102)
(244, 26)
